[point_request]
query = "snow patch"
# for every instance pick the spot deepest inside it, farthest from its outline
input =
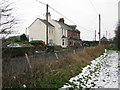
(101, 73)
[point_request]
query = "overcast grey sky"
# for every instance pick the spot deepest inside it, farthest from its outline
(79, 11)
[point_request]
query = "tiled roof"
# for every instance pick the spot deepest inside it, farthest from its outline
(45, 22)
(65, 26)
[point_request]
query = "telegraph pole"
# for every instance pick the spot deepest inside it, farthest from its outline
(109, 36)
(46, 24)
(99, 29)
(106, 34)
(95, 35)
(26, 31)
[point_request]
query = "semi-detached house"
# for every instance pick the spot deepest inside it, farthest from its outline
(59, 33)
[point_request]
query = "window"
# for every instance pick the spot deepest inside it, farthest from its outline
(63, 42)
(65, 32)
(50, 31)
(50, 41)
(70, 43)
(62, 31)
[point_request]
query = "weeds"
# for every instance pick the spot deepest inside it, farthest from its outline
(50, 73)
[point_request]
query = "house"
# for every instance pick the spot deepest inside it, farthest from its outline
(59, 33)
(37, 30)
(104, 40)
(119, 11)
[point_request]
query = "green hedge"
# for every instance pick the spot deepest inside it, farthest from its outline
(50, 49)
(10, 52)
(90, 43)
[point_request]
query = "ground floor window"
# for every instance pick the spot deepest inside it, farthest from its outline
(70, 43)
(50, 41)
(63, 42)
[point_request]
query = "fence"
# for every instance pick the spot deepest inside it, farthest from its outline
(21, 62)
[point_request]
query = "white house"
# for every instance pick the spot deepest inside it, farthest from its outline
(59, 33)
(119, 10)
(37, 31)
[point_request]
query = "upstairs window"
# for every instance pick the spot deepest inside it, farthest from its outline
(50, 31)
(62, 31)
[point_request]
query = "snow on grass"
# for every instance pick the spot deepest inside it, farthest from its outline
(101, 73)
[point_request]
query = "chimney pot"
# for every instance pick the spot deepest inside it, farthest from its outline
(49, 14)
(61, 20)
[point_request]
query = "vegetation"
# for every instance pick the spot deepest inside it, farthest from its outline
(38, 43)
(17, 51)
(118, 37)
(23, 38)
(90, 43)
(50, 73)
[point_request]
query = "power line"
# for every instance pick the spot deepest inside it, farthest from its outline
(41, 2)
(64, 16)
(94, 7)
(69, 19)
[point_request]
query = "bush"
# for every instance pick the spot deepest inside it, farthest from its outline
(23, 38)
(111, 47)
(17, 51)
(57, 48)
(38, 43)
(90, 43)
(49, 48)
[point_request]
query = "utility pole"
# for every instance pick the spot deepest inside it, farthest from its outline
(99, 29)
(95, 35)
(106, 34)
(46, 24)
(109, 36)
(26, 31)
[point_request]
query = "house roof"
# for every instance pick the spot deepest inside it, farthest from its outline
(103, 38)
(63, 25)
(44, 21)
(67, 27)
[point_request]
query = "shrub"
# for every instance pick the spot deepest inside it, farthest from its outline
(38, 43)
(23, 38)
(10, 52)
(49, 48)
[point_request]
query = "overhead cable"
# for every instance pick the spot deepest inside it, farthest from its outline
(64, 16)
(94, 7)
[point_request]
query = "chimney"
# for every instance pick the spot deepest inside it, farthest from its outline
(49, 16)
(61, 20)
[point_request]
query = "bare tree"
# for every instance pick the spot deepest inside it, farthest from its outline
(7, 19)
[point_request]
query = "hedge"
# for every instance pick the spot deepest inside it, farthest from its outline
(10, 52)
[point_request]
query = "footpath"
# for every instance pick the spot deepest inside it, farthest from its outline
(103, 72)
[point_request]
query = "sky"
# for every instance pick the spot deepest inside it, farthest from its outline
(83, 13)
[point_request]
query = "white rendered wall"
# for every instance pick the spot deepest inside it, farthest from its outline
(58, 33)
(119, 10)
(37, 31)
